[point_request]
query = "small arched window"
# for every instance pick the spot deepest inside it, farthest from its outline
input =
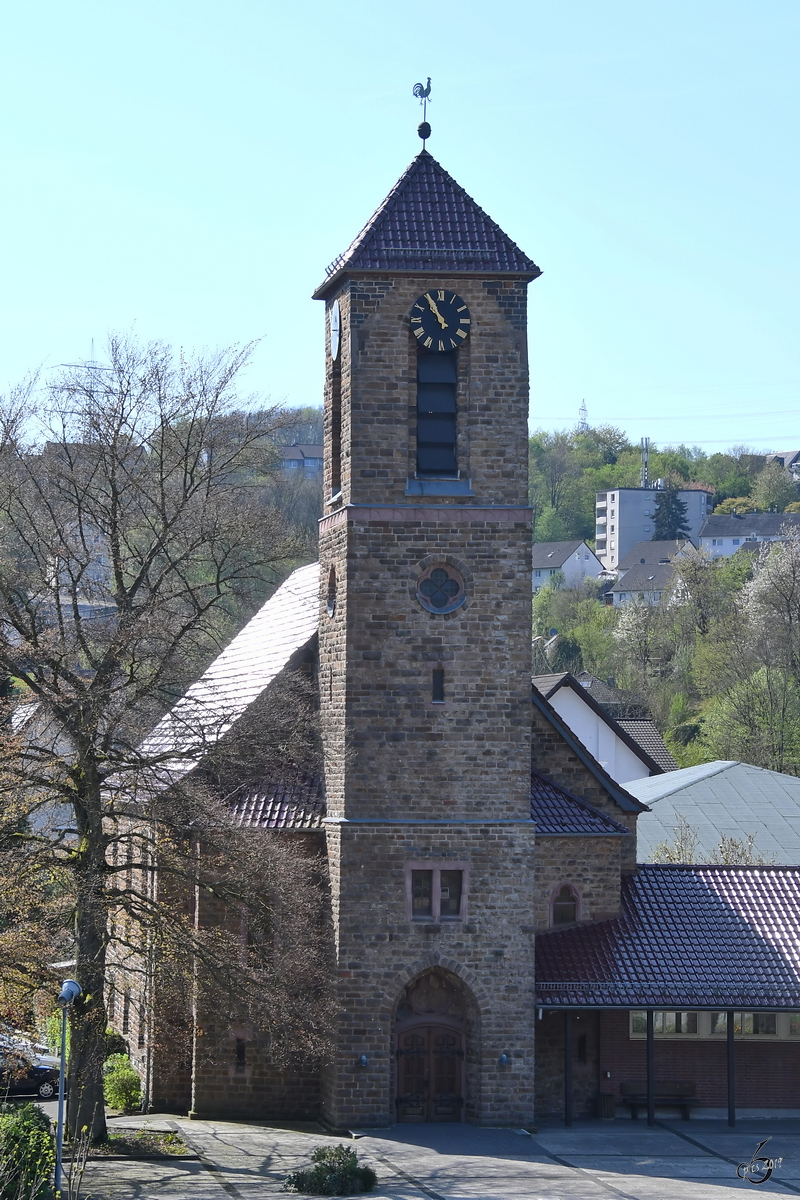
(565, 906)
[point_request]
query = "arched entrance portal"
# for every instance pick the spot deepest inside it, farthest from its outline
(430, 1046)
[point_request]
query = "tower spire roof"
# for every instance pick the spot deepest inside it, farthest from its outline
(428, 222)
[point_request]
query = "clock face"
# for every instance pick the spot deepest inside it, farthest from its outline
(336, 329)
(440, 320)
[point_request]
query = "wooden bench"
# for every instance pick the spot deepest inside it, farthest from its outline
(674, 1093)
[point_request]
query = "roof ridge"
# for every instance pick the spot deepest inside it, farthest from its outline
(464, 238)
(680, 785)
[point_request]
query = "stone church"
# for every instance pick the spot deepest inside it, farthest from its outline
(459, 814)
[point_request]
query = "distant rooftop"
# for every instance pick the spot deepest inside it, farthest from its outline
(652, 552)
(757, 525)
(653, 577)
(554, 554)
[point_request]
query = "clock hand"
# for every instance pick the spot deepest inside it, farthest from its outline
(435, 311)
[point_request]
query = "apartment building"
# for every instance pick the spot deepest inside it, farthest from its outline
(625, 516)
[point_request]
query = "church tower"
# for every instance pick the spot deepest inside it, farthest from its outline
(425, 677)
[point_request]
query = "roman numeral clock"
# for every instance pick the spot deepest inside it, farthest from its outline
(440, 320)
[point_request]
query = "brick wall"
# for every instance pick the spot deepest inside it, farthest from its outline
(766, 1073)
(376, 376)
(551, 755)
(408, 779)
(589, 864)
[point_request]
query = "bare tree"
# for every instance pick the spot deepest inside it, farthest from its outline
(131, 526)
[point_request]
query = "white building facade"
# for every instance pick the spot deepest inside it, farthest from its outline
(625, 516)
(574, 560)
(723, 534)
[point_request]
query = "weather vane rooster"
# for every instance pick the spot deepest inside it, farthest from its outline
(423, 94)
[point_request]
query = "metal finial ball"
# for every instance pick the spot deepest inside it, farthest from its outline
(424, 130)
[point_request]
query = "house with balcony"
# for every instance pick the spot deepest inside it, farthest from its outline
(626, 516)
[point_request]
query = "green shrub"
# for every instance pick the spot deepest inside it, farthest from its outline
(115, 1043)
(336, 1173)
(121, 1084)
(27, 1153)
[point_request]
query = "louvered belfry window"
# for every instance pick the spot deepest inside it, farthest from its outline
(436, 414)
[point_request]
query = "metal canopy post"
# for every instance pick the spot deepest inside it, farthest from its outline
(567, 1068)
(651, 1106)
(731, 1069)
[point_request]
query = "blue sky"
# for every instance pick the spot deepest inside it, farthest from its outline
(187, 170)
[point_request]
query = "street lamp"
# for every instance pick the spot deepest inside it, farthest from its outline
(70, 990)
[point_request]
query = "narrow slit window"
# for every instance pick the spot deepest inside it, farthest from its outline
(336, 429)
(436, 414)
(437, 691)
(126, 1013)
(241, 1050)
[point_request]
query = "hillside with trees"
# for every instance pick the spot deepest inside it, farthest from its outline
(567, 467)
(717, 662)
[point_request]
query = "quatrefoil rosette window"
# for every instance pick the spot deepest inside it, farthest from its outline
(440, 589)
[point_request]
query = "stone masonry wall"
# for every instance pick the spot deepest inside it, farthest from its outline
(408, 779)
(554, 758)
(376, 377)
(380, 951)
(590, 864)
(404, 754)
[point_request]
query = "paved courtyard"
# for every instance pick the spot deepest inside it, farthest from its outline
(614, 1160)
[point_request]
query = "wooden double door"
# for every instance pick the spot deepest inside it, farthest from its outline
(430, 1072)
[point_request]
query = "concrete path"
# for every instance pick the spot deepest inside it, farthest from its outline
(614, 1160)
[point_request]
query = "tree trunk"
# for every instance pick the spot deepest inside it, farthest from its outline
(86, 1106)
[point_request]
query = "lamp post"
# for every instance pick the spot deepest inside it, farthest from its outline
(70, 990)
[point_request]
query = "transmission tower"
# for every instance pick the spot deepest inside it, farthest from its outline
(583, 423)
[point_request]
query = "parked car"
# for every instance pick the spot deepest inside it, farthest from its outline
(23, 1075)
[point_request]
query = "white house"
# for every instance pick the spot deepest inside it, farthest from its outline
(574, 559)
(625, 516)
(619, 754)
(645, 584)
(722, 535)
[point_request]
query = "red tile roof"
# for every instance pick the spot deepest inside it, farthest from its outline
(557, 813)
(687, 937)
(428, 221)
